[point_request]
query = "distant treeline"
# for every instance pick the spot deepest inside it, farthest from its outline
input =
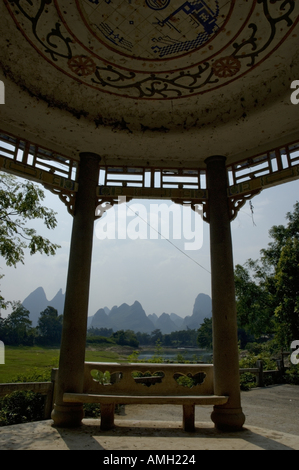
(184, 338)
(16, 329)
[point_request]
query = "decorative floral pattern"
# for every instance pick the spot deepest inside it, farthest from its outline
(82, 65)
(226, 67)
(245, 42)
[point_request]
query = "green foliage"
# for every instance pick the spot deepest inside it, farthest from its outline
(253, 302)
(20, 202)
(21, 407)
(36, 374)
(180, 359)
(189, 380)
(147, 374)
(103, 332)
(287, 293)
(176, 339)
(134, 357)
(104, 378)
(267, 290)
(126, 338)
(92, 410)
(16, 328)
(98, 340)
(50, 326)
(258, 352)
(292, 375)
(34, 364)
(247, 381)
(205, 334)
(184, 381)
(261, 353)
(158, 356)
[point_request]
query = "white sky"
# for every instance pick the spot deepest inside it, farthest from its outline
(153, 272)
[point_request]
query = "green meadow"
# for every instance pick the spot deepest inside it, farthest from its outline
(37, 362)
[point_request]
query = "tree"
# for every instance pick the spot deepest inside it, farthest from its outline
(254, 303)
(205, 334)
(126, 338)
(287, 294)
(20, 202)
(268, 289)
(16, 329)
(104, 332)
(156, 335)
(50, 326)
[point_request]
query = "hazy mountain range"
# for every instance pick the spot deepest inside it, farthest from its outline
(37, 302)
(125, 317)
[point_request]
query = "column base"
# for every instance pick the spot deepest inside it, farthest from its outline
(67, 416)
(228, 420)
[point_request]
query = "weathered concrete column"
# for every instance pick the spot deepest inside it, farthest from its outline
(225, 337)
(72, 352)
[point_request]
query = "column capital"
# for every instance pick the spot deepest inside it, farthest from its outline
(90, 155)
(215, 158)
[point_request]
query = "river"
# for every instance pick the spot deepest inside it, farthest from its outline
(171, 354)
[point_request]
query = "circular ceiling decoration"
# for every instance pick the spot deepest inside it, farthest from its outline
(156, 29)
(155, 49)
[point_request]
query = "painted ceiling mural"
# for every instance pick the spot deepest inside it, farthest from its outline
(155, 49)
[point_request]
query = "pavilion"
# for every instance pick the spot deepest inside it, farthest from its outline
(182, 100)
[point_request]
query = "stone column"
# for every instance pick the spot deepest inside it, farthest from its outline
(225, 338)
(72, 352)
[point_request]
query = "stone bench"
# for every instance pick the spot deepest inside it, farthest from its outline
(157, 384)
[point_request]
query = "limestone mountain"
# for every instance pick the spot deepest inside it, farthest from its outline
(102, 320)
(202, 309)
(153, 318)
(131, 317)
(177, 320)
(165, 324)
(37, 302)
(58, 302)
(124, 317)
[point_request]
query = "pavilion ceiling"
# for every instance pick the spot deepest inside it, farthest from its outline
(151, 82)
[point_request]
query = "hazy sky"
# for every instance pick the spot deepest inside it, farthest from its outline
(153, 272)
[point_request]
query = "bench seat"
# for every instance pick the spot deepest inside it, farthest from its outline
(108, 403)
(111, 384)
(149, 400)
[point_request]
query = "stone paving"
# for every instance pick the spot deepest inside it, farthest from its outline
(272, 424)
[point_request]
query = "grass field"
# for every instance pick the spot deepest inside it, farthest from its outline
(24, 361)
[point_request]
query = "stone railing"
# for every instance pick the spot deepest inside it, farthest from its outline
(148, 379)
(142, 379)
(111, 384)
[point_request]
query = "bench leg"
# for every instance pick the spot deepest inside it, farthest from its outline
(189, 418)
(107, 416)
